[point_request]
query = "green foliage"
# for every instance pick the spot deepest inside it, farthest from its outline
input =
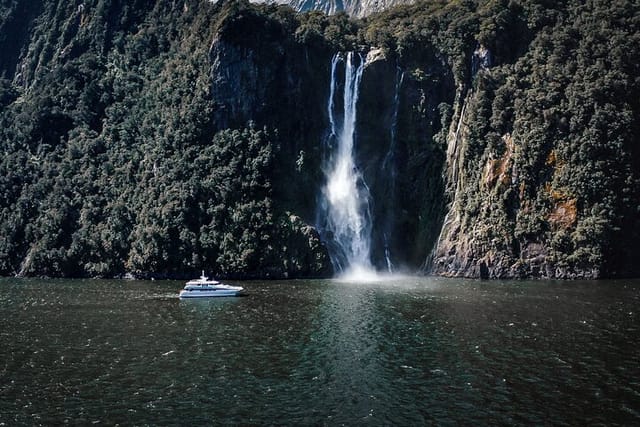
(113, 161)
(240, 233)
(114, 164)
(568, 102)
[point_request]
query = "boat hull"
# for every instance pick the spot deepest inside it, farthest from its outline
(184, 294)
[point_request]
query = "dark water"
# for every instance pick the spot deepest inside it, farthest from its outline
(409, 351)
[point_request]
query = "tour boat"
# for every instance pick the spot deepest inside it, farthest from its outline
(205, 288)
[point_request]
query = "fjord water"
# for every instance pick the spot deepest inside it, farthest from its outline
(406, 351)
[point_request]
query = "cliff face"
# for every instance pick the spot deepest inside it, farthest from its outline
(261, 74)
(534, 186)
(402, 161)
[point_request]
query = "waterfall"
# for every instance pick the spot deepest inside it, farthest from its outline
(387, 164)
(344, 217)
(332, 91)
(389, 169)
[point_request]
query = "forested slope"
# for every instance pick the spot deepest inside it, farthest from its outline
(113, 162)
(161, 138)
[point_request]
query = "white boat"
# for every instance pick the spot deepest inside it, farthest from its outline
(206, 288)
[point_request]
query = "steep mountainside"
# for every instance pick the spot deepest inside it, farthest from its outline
(495, 138)
(119, 159)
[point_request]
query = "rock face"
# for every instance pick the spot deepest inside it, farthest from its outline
(261, 75)
(398, 121)
(507, 220)
(356, 8)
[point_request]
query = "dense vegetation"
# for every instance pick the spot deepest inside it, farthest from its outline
(119, 158)
(112, 160)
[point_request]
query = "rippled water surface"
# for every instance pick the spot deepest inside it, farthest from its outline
(406, 351)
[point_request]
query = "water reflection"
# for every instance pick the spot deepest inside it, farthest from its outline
(342, 360)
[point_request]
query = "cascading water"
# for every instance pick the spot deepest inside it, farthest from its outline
(344, 218)
(389, 169)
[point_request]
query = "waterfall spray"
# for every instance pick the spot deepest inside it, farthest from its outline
(344, 212)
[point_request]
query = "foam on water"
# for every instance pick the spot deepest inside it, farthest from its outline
(363, 274)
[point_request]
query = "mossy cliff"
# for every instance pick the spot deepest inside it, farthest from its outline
(498, 138)
(542, 153)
